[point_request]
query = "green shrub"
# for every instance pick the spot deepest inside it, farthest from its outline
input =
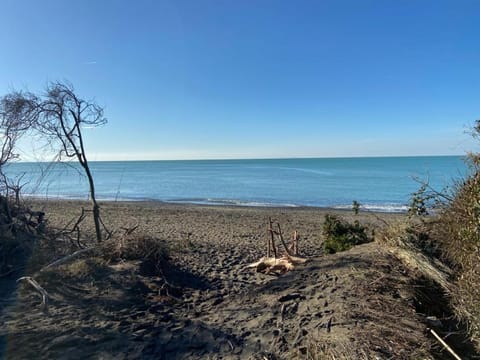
(341, 235)
(419, 201)
(355, 207)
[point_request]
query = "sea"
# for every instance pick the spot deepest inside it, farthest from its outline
(378, 183)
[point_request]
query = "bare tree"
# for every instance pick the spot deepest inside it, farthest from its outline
(62, 116)
(18, 112)
(59, 115)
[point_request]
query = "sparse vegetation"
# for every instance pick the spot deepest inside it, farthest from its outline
(341, 235)
(418, 202)
(355, 207)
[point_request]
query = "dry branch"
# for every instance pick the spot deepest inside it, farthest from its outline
(294, 245)
(37, 287)
(67, 258)
(282, 240)
(130, 229)
(109, 232)
(271, 241)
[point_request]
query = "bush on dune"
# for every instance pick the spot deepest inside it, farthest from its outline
(341, 235)
(455, 237)
(458, 235)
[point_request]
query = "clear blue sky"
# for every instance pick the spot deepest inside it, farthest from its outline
(242, 79)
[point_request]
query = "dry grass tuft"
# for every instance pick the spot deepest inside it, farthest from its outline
(334, 351)
(409, 241)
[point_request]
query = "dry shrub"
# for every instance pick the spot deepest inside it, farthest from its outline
(14, 253)
(410, 241)
(152, 252)
(332, 351)
(20, 231)
(458, 234)
(380, 334)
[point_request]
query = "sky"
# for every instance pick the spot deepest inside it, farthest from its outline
(218, 79)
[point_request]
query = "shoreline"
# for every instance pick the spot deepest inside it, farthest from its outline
(204, 223)
(228, 204)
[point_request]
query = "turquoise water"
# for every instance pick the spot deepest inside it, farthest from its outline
(383, 183)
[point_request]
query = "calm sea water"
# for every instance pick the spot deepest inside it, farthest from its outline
(383, 184)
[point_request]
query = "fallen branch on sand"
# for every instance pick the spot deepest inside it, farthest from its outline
(281, 264)
(37, 287)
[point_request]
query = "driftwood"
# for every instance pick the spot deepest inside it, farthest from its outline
(294, 244)
(280, 235)
(281, 264)
(37, 287)
(270, 264)
(271, 241)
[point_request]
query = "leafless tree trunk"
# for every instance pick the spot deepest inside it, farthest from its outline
(59, 115)
(62, 115)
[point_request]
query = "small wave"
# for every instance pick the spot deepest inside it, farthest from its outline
(308, 171)
(84, 197)
(388, 208)
(230, 202)
(55, 196)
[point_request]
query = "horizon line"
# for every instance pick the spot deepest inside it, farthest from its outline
(253, 158)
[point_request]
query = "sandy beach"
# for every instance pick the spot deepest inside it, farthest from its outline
(351, 304)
